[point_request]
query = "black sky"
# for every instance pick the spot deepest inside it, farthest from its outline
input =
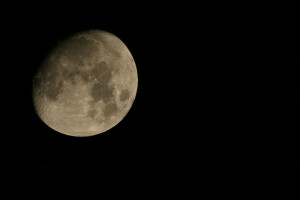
(211, 102)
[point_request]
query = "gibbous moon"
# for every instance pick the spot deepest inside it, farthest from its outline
(86, 85)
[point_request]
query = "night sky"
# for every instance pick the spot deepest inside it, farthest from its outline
(211, 106)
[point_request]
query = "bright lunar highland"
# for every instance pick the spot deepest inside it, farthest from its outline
(86, 85)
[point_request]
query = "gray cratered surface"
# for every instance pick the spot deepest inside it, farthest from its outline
(86, 85)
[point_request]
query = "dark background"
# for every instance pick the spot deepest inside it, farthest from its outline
(211, 105)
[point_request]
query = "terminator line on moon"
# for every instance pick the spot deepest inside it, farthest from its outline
(86, 85)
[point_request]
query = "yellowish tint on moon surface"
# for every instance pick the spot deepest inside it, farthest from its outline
(86, 85)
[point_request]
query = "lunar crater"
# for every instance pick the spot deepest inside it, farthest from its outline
(124, 95)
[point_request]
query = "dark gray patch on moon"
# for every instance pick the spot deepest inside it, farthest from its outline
(95, 92)
(101, 90)
(54, 90)
(124, 95)
(102, 72)
(110, 109)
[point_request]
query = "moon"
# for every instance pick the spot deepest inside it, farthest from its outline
(86, 85)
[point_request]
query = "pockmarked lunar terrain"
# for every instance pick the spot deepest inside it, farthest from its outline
(86, 85)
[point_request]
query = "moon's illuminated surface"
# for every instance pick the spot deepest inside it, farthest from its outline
(86, 85)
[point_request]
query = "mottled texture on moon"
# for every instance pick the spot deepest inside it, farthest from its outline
(86, 85)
